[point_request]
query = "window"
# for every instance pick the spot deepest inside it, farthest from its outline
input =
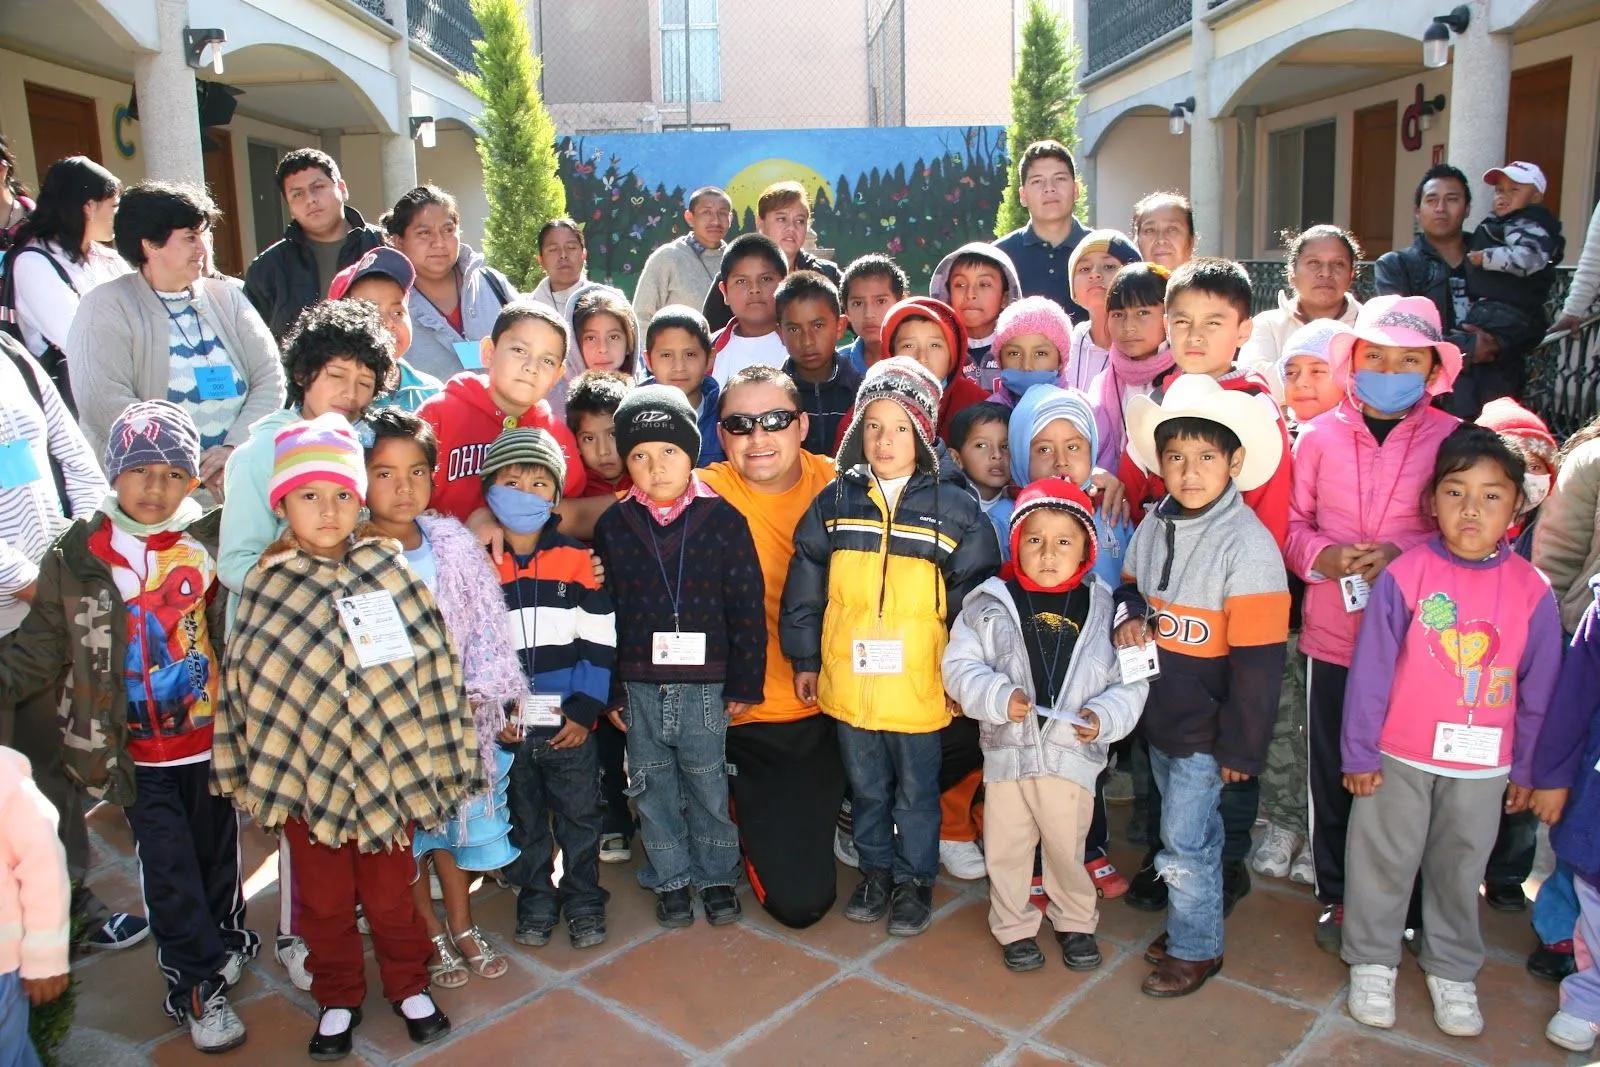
(690, 51)
(1300, 176)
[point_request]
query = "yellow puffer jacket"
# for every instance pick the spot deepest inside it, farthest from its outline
(851, 581)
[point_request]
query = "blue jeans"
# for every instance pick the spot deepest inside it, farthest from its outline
(552, 794)
(894, 783)
(678, 779)
(15, 1048)
(1190, 861)
(1555, 912)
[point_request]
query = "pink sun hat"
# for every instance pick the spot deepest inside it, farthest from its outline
(1399, 322)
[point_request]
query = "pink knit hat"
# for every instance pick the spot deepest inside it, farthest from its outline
(325, 449)
(1035, 314)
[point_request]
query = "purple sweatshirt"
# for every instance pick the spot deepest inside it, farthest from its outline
(1569, 748)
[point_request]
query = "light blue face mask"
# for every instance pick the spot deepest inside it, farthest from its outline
(1389, 393)
(519, 512)
(1020, 381)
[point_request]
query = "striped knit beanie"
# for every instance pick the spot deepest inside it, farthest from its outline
(152, 431)
(325, 449)
(527, 445)
(910, 385)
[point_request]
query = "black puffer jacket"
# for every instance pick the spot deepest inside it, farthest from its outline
(282, 281)
(1421, 271)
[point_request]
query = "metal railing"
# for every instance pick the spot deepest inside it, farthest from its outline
(1564, 378)
(1118, 28)
(372, 7)
(445, 27)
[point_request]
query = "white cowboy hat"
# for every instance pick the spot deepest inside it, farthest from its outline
(1253, 420)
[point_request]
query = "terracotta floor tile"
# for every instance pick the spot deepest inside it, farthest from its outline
(1270, 945)
(858, 1021)
(278, 1032)
(1510, 932)
(1127, 926)
(564, 1028)
(111, 826)
(104, 998)
(118, 888)
(1354, 1045)
(1515, 1008)
(1032, 1058)
(708, 984)
(1222, 1023)
(958, 962)
(834, 934)
(630, 918)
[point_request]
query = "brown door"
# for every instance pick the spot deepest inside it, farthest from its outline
(219, 180)
(1372, 163)
(1536, 130)
(62, 125)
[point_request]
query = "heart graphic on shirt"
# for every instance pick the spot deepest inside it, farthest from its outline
(1469, 645)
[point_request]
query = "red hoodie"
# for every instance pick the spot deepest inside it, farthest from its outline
(466, 421)
(1270, 502)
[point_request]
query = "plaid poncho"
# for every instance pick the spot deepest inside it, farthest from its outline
(360, 755)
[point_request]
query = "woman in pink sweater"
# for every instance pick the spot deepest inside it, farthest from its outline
(35, 919)
(1359, 475)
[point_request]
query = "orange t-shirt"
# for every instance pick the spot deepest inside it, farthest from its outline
(772, 518)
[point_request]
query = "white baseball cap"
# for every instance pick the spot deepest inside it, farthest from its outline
(1518, 171)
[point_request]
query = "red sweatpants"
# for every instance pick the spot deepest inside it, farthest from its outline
(329, 882)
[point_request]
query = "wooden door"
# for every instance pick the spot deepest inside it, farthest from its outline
(1377, 133)
(224, 190)
(62, 125)
(1536, 129)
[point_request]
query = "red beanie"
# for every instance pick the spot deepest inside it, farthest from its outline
(1509, 418)
(936, 311)
(1060, 495)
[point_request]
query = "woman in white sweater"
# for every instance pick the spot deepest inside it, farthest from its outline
(1585, 281)
(1320, 266)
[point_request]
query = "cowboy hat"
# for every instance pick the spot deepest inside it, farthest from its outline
(1398, 322)
(1253, 420)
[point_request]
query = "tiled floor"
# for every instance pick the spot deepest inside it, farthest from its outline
(758, 994)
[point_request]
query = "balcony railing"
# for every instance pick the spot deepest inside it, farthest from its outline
(372, 7)
(445, 27)
(1118, 28)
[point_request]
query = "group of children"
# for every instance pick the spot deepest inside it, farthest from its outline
(1076, 536)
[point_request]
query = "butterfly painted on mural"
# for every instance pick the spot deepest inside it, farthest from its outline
(636, 201)
(604, 249)
(654, 220)
(896, 246)
(901, 195)
(637, 231)
(886, 223)
(966, 179)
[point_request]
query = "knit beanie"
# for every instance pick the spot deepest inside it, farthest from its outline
(1114, 243)
(1510, 419)
(1312, 339)
(152, 431)
(657, 413)
(903, 381)
(324, 449)
(1060, 495)
(527, 445)
(936, 311)
(1036, 314)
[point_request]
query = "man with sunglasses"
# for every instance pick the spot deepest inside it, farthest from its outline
(784, 768)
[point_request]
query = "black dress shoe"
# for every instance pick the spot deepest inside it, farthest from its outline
(721, 904)
(870, 901)
(674, 909)
(1506, 896)
(1552, 962)
(428, 1028)
(910, 909)
(336, 1047)
(1022, 955)
(1235, 885)
(1147, 891)
(1079, 951)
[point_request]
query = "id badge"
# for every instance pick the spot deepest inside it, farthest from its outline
(216, 383)
(1354, 593)
(372, 622)
(470, 353)
(1459, 743)
(877, 657)
(17, 465)
(672, 649)
(1138, 662)
(539, 710)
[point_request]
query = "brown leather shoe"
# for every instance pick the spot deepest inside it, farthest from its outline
(1178, 978)
(1157, 951)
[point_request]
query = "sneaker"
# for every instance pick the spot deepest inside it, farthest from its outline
(1570, 1032)
(213, 1025)
(614, 848)
(1235, 885)
(233, 969)
(1275, 854)
(1119, 788)
(1147, 892)
(675, 908)
(292, 953)
(1552, 962)
(870, 901)
(962, 859)
(1036, 894)
(1107, 882)
(844, 848)
(1371, 996)
(120, 930)
(1079, 951)
(535, 932)
(721, 904)
(365, 928)
(586, 931)
(1304, 868)
(910, 909)
(1330, 929)
(1022, 955)
(1455, 1007)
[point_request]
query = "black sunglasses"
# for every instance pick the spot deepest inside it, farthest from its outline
(771, 421)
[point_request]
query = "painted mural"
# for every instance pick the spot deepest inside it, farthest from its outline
(911, 192)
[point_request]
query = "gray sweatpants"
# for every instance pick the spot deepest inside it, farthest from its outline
(1447, 827)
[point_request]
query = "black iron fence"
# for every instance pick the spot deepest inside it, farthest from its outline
(1118, 28)
(445, 27)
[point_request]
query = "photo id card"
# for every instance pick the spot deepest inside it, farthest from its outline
(1354, 592)
(216, 383)
(375, 628)
(1458, 743)
(539, 709)
(1138, 662)
(877, 657)
(673, 649)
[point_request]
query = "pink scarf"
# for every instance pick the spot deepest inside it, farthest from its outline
(1105, 394)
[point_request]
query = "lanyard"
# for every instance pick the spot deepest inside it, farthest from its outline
(1053, 660)
(176, 319)
(516, 587)
(674, 592)
(1361, 495)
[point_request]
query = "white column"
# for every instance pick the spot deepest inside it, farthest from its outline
(169, 116)
(397, 151)
(1205, 144)
(1244, 193)
(331, 142)
(1086, 178)
(1480, 87)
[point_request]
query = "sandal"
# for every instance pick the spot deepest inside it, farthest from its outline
(488, 963)
(450, 972)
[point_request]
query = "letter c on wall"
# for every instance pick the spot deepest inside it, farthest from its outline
(119, 122)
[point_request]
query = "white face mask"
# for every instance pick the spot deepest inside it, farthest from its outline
(1535, 487)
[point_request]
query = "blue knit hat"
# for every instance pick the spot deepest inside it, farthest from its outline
(152, 431)
(1040, 406)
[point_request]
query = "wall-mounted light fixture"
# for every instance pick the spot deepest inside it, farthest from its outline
(1181, 115)
(195, 43)
(1436, 39)
(424, 130)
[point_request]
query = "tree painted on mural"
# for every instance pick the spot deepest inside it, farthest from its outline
(623, 219)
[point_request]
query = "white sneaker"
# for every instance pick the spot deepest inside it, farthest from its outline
(1455, 1007)
(215, 1027)
(1571, 1032)
(963, 859)
(1304, 869)
(292, 953)
(844, 848)
(1275, 853)
(614, 849)
(1371, 996)
(233, 969)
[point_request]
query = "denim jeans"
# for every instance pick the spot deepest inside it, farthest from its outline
(1555, 912)
(555, 787)
(1190, 860)
(15, 1048)
(894, 784)
(678, 779)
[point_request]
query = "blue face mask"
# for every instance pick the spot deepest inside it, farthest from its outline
(519, 512)
(1020, 381)
(1390, 393)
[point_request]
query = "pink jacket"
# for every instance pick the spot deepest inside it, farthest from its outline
(35, 894)
(1347, 490)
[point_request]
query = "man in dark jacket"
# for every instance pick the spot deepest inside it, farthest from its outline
(783, 213)
(325, 236)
